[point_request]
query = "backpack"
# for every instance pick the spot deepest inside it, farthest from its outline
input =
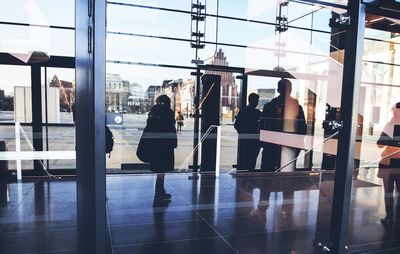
(109, 141)
(144, 150)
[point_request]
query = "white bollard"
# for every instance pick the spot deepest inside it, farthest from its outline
(18, 149)
(217, 161)
(199, 136)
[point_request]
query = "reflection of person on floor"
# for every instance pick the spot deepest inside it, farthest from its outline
(389, 165)
(179, 122)
(160, 227)
(247, 126)
(162, 120)
(282, 114)
(260, 212)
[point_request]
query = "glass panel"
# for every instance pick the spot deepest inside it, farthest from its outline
(247, 9)
(20, 41)
(8, 135)
(31, 34)
(60, 91)
(377, 146)
(131, 91)
(299, 194)
(59, 139)
(173, 52)
(147, 22)
(58, 98)
(173, 4)
(228, 108)
(320, 18)
(312, 113)
(42, 29)
(15, 94)
(44, 12)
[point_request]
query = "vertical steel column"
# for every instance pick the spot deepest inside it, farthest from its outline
(46, 114)
(349, 110)
(242, 105)
(36, 98)
(90, 125)
(243, 92)
(196, 121)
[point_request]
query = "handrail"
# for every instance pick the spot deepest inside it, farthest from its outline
(33, 149)
(375, 161)
(19, 155)
(307, 151)
(200, 142)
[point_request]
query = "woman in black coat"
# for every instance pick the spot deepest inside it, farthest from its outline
(161, 124)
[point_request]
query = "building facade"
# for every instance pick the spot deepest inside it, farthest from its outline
(152, 93)
(117, 93)
(229, 89)
(187, 93)
(66, 91)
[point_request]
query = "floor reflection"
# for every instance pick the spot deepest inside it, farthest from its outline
(235, 213)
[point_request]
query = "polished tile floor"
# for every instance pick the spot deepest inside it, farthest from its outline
(232, 214)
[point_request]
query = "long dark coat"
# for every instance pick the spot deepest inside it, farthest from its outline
(161, 127)
(273, 119)
(247, 125)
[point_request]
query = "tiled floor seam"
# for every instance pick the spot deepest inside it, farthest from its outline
(109, 231)
(53, 252)
(38, 231)
(211, 226)
(22, 201)
(167, 241)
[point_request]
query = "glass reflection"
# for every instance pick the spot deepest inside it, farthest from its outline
(389, 165)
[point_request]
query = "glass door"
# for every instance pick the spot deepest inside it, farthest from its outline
(58, 106)
(377, 144)
(160, 55)
(15, 107)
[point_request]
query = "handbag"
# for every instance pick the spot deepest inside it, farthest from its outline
(143, 151)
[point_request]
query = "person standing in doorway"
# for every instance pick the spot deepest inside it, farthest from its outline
(179, 122)
(282, 114)
(161, 125)
(389, 165)
(247, 126)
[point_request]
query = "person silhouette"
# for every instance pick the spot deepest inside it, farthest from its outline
(260, 212)
(161, 125)
(179, 122)
(389, 165)
(247, 126)
(73, 110)
(282, 114)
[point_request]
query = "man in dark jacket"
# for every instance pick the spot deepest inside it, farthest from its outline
(247, 125)
(282, 114)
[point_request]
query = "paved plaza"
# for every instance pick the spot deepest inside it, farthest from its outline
(126, 138)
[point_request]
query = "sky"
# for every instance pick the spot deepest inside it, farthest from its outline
(153, 22)
(168, 24)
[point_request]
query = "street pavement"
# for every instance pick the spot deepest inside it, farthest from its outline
(126, 138)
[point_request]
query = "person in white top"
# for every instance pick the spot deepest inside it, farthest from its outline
(389, 165)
